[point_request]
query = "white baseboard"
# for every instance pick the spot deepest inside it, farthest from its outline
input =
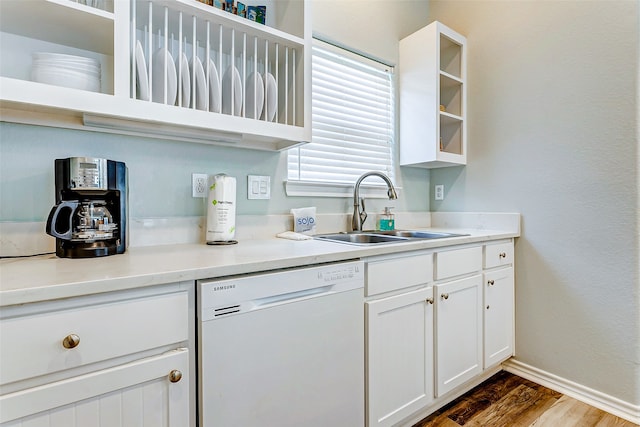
(592, 397)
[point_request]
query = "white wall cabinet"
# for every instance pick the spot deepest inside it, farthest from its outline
(210, 40)
(119, 359)
(432, 73)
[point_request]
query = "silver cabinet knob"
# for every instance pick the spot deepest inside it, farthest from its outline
(502, 255)
(429, 300)
(487, 307)
(491, 282)
(444, 296)
(71, 341)
(175, 376)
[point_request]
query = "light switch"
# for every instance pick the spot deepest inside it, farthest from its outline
(258, 187)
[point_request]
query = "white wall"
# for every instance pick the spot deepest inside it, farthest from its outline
(370, 26)
(553, 134)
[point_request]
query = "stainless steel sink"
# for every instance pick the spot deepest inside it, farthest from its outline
(419, 234)
(360, 238)
(367, 238)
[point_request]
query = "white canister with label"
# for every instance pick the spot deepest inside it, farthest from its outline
(221, 209)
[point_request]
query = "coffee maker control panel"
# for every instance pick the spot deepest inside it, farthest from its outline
(88, 173)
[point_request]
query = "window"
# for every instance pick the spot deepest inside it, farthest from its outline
(353, 124)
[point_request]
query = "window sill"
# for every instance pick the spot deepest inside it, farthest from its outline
(334, 189)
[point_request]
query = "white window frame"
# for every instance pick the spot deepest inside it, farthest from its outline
(372, 187)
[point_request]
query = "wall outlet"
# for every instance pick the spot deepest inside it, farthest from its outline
(199, 184)
(439, 192)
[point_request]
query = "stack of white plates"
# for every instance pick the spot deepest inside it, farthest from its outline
(66, 70)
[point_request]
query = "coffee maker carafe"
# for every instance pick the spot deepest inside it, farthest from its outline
(90, 216)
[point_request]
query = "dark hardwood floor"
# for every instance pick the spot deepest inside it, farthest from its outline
(508, 400)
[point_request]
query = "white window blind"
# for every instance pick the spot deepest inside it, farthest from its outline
(353, 119)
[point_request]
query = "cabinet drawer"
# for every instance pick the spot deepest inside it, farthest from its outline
(35, 345)
(134, 394)
(458, 262)
(498, 254)
(397, 273)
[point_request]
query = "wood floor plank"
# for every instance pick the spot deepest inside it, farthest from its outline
(519, 408)
(475, 400)
(569, 412)
(506, 400)
(438, 421)
(482, 397)
(609, 420)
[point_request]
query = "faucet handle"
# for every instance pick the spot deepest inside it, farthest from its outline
(363, 213)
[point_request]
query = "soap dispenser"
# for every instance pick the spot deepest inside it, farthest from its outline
(386, 221)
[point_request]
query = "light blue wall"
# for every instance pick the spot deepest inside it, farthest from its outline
(160, 170)
(159, 174)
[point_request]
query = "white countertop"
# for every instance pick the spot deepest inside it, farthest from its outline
(42, 278)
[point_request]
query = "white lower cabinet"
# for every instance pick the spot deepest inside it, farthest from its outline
(437, 323)
(458, 332)
(399, 356)
(498, 316)
(153, 391)
(118, 359)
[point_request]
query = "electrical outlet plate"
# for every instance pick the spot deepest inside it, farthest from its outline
(258, 187)
(439, 192)
(199, 183)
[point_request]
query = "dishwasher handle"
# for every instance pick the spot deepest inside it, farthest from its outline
(275, 300)
(257, 304)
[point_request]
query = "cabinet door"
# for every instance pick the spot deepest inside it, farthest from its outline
(458, 332)
(399, 356)
(498, 316)
(141, 393)
(103, 332)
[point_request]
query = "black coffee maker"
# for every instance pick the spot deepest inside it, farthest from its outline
(90, 216)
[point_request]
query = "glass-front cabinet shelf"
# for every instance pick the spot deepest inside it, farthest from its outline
(176, 69)
(433, 98)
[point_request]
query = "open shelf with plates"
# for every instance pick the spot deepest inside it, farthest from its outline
(167, 70)
(433, 98)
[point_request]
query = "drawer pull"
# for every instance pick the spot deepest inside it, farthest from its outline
(175, 376)
(71, 341)
(429, 300)
(491, 282)
(502, 255)
(445, 296)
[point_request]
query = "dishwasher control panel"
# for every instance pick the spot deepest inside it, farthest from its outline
(341, 272)
(232, 295)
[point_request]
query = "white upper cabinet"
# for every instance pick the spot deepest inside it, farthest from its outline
(176, 69)
(433, 128)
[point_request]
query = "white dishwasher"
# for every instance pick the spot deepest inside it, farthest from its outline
(283, 349)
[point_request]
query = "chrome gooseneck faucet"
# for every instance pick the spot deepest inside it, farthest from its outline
(360, 215)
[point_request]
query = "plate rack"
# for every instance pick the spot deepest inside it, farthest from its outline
(212, 36)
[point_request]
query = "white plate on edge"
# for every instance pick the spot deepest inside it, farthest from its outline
(215, 95)
(157, 80)
(200, 90)
(237, 91)
(182, 66)
(255, 96)
(271, 89)
(141, 74)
